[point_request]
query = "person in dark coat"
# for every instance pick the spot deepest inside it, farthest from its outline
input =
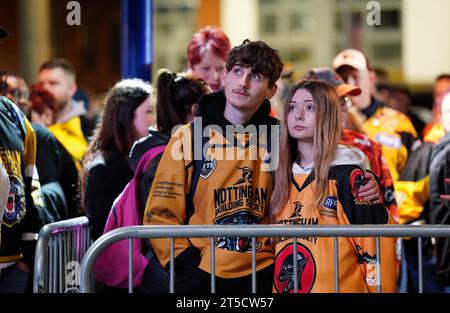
(440, 195)
(106, 170)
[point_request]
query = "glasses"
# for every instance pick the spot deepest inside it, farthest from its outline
(345, 102)
(19, 94)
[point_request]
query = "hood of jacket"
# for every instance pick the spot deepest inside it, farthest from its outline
(211, 108)
(345, 155)
(153, 139)
(76, 109)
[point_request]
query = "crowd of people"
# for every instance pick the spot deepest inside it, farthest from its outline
(331, 148)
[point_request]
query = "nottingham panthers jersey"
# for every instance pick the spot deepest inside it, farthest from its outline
(233, 187)
(315, 257)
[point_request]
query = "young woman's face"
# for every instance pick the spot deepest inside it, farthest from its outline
(301, 119)
(144, 117)
(210, 70)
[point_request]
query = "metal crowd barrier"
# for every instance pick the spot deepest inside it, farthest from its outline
(294, 231)
(60, 248)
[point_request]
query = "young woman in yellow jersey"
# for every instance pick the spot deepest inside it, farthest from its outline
(317, 182)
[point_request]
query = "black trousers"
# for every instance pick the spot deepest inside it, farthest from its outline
(156, 280)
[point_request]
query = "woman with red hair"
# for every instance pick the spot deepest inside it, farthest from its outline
(43, 106)
(207, 53)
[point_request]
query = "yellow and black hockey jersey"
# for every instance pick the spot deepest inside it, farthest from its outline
(18, 155)
(394, 131)
(412, 188)
(234, 186)
(315, 257)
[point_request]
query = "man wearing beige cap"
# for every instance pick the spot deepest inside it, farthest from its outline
(391, 128)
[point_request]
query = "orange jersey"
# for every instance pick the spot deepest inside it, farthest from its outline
(233, 188)
(315, 257)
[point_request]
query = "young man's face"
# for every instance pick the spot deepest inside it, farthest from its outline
(59, 83)
(246, 90)
(364, 80)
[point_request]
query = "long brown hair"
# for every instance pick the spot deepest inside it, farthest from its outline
(327, 134)
(115, 131)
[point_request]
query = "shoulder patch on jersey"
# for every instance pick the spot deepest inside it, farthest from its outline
(330, 202)
(329, 208)
(284, 269)
(207, 168)
(389, 140)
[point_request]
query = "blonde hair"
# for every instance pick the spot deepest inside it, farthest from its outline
(327, 134)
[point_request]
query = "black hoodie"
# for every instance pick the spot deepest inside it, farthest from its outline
(440, 208)
(212, 106)
(140, 147)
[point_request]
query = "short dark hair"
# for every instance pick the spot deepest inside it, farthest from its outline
(258, 56)
(442, 77)
(65, 64)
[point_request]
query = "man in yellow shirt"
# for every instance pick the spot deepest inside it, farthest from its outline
(72, 127)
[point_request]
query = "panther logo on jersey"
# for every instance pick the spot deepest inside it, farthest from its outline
(238, 244)
(15, 207)
(247, 175)
(297, 208)
(284, 269)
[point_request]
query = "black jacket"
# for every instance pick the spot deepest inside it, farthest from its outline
(439, 208)
(153, 139)
(106, 178)
(48, 163)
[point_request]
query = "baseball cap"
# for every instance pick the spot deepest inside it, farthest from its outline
(331, 77)
(353, 58)
(3, 33)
